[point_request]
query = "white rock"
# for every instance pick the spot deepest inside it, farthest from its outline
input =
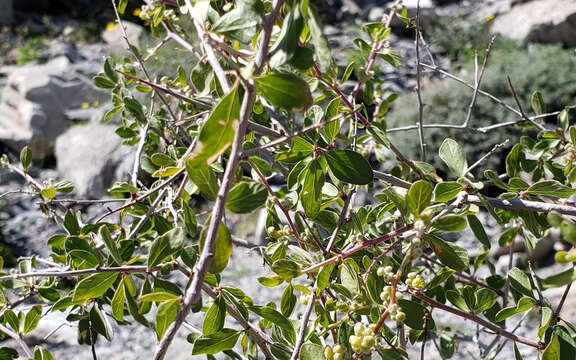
(35, 99)
(92, 156)
(113, 35)
(548, 21)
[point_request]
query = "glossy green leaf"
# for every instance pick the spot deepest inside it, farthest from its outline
(446, 191)
(415, 314)
(478, 230)
(215, 343)
(158, 296)
(450, 223)
(118, 301)
(449, 254)
(349, 166)
(217, 132)
(285, 90)
(537, 101)
(99, 323)
(26, 157)
(453, 156)
(246, 197)
(286, 269)
(94, 286)
(165, 246)
(322, 48)
(215, 317)
(520, 282)
(457, 300)
(419, 196)
(110, 244)
(32, 318)
(311, 192)
(165, 315)
(525, 303)
(551, 188)
(205, 179)
(222, 247)
(552, 351)
(288, 301)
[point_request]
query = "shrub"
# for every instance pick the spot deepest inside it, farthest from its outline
(263, 99)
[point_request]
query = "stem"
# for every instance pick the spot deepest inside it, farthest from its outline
(361, 246)
(303, 324)
(419, 86)
(18, 339)
(479, 320)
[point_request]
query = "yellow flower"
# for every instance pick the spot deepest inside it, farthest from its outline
(111, 26)
(85, 105)
(490, 17)
(96, 103)
(136, 12)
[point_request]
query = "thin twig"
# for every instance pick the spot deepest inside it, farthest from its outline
(477, 81)
(18, 339)
(486, 156)
(522, 113)
(303, 324)
(479, 320)
(419, 87)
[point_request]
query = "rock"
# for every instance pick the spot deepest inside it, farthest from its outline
(36, 98)
(547, 21)
(5, 12)
(113, 35)
(92, 157)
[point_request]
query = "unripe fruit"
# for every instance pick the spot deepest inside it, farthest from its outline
(338, 356)
(328, 353)
(381, 271)
(338, 349)
(400, 316)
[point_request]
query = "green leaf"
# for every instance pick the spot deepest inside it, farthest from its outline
(323, 279)
(478, 230)
(118, 301)
(288, 301)
(513, 160)
(523, 304)
(49, 192)
(415, 314)
(520, 282)
(7, 353)
(419, 196)
(517, 355)
(64, 187)
(322, 48)
(26, 158)
(122, 6)
(286, 269)
(446, 191)
(99, 323)
(286, 91)
(449, 254)
(71, 223)
(165, 246)
(557, 280)
(349, 166)
(215, 317)
(391, 56)
(204, 178)
(447, 346)
(552, 351)
(273, 316)
(311, 193)
(508, 236)
(165, 315)
(440, 277)
(450, 223)
(215, 343)
(94, 286)
(286, 44)
(103, 82)
(32, 318)
(110, 244)
(158, 296)
(537, 101)
(485, 299)
(311, 351)
(217, 132)
(457, 300)
(222, 247)
(551, 188)
(246, 197)
(453, 156)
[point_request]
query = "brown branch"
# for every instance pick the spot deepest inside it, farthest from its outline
(18, 339)
(479, 320)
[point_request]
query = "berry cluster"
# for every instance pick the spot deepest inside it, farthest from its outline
(565, 257)
(147, 13)
(386, 293)
(396, 313)
(283, 234)
(305, 298)
(334, 353)
(387, 272)
(416, 281)
(363, 339)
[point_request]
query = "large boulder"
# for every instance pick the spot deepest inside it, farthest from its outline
(547, 21)
(36, 98)
(92, 157)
